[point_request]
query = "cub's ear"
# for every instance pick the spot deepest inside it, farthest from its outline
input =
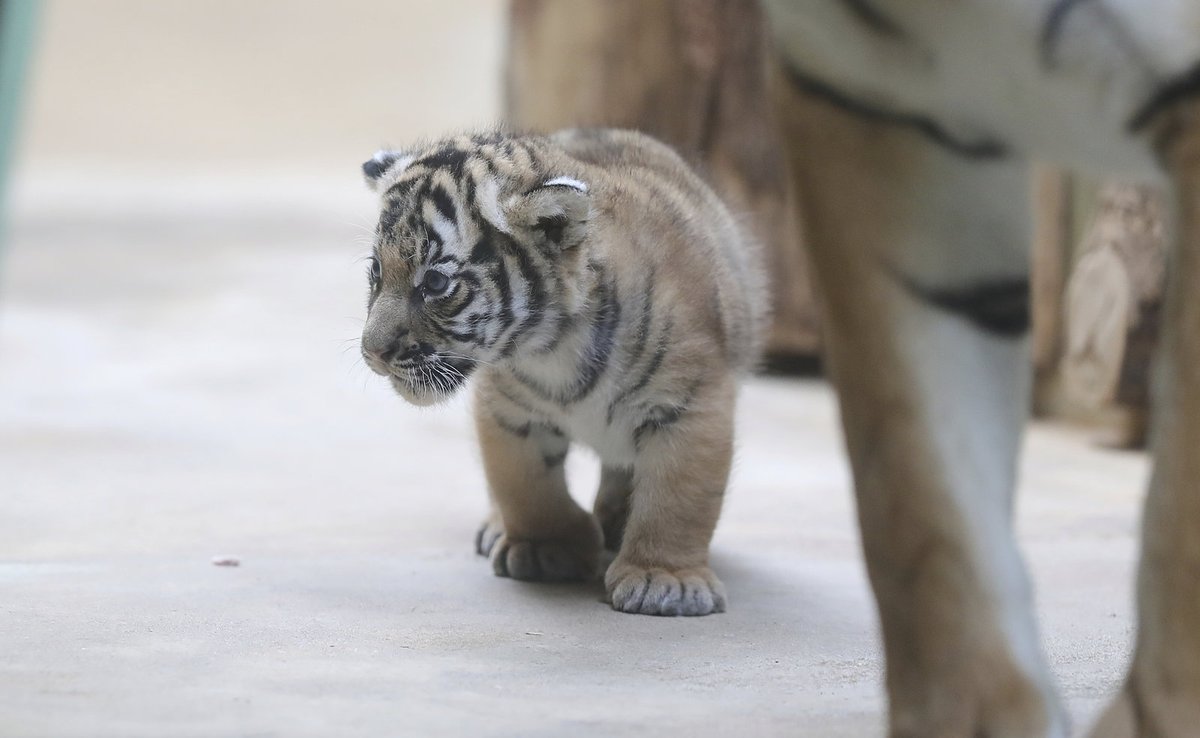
(384, 167)
(554, 212)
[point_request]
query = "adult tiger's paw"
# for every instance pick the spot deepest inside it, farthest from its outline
(656, 591)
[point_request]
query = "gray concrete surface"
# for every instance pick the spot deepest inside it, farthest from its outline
(178, 380)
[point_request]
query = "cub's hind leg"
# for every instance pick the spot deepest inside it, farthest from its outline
(1161, 696)
(920, 255)
(679, 480)
(536, 532)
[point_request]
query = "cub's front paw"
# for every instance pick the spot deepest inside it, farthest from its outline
(546, 561)
(653, 591)
(490, 532)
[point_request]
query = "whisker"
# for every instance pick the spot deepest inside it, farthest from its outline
(453, 355)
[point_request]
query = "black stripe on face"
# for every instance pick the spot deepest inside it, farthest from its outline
(431, 248)
(983, 148)
(874, 19)
(483, 252)
(444, 204)
(500, 278)
(387, 221)
(455, 305)
(534, 291)
(445, 332)
(999, 306)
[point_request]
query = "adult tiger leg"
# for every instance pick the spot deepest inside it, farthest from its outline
(920, 256)
(1161, 696)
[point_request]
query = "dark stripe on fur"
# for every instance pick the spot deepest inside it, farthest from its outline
(999, 306)
(563, 325)
(483, 251)
(597, 354)
(660, 353)
(1053, 27)
(451, 159)
(459, 300)
(643, 330)
(535, 292)
(516, 401)
(443, 203)
(524, 430)
(927, 127)
(604, 337)
(500, 277)
(874, 18)
(658, 419)
(1172, 93)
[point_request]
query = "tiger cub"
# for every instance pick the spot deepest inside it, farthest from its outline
(601, 293)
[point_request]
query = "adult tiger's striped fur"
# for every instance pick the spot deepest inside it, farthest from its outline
(912, 123)
(602, 294)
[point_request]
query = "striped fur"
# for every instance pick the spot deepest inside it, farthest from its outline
(910, 126)
(603, 295)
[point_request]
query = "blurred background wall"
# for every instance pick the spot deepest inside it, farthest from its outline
(181, 88)
(141, 110)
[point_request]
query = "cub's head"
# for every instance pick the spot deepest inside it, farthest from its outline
(475, 255)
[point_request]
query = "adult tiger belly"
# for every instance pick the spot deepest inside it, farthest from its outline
(1064, 80)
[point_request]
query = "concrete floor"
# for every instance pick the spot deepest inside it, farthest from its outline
(179, 380)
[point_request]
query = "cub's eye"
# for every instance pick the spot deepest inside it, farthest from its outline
(434, 283)
(376, 270)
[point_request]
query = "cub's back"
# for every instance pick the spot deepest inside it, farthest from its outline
(651, 211)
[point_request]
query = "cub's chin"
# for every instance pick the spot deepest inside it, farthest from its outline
(420, 394)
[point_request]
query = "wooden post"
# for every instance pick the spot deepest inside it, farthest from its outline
(1052, 239)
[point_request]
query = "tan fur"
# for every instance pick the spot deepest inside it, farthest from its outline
(666, 506)
(948, 670)
(642, 253)
(1161, 696)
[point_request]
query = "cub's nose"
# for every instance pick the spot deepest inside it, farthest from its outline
(399, 347)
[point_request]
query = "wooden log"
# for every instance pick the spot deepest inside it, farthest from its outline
(1114, 305)
(692, 73)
